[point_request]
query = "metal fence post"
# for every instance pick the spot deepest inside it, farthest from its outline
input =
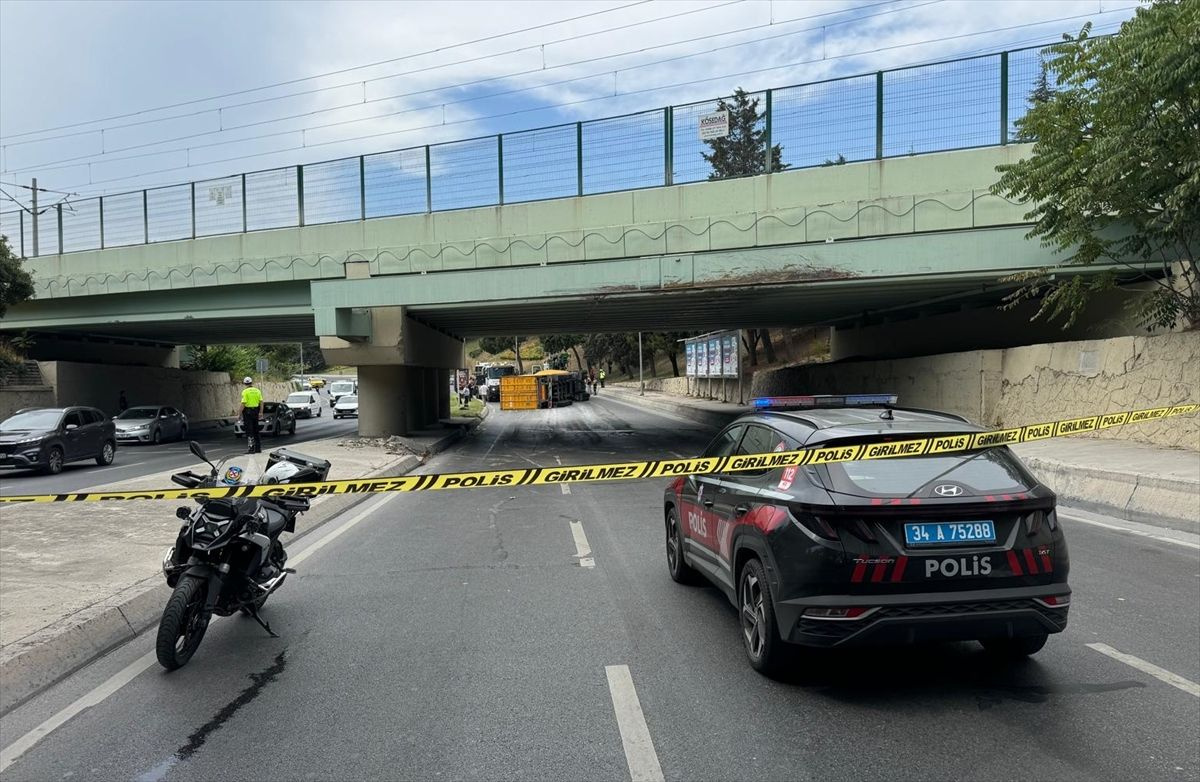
(428, 182)
(21, 218)
(500, 164)
(244, 223)
(767, 167)
(362, 188)
(1003, 98)
(879, 115)
(145, 218)
(193, 193)
(58, 208)
(300, 195)
(101, 222)
(668, 153)
(579, 158)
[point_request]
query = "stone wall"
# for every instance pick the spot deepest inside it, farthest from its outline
(14, 398)
(1023, 385)
(202, 396)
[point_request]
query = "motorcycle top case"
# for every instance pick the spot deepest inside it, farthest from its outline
(320, 467)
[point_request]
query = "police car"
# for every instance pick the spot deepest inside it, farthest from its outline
(949, 546)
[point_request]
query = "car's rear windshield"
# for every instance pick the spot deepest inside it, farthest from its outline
(303, 398)
(989, 471)
(139, 413)
(34, 419)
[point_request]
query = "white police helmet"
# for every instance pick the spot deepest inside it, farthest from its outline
(247, 381)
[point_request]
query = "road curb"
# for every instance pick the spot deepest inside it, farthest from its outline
(1146, 499)
(49, 655)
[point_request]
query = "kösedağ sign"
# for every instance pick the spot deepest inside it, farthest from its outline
(715, 125)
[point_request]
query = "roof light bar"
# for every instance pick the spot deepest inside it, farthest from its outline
(822, 400)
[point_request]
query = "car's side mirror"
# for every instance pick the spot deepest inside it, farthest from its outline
(72, 427)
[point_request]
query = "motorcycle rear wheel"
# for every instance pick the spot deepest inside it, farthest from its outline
(183, 623)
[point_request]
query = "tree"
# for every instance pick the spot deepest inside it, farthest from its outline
(1115, 169)
(557, 343)
(839, 161)
(498, 345)
(16, 284)
(668, 342)
(743, 151)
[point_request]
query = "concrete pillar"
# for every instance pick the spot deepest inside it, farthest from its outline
(432, 407)
(381, 400)
(442, 383)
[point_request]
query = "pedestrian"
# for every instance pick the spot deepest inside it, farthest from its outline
(602, 375)
(464, 393)
(592, 379)
(122, 403)
(251, 405)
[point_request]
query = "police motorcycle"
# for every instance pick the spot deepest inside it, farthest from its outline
(228, 557)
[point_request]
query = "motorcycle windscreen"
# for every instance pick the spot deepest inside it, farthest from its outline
(241, 470)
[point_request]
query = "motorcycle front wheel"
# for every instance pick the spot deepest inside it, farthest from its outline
(183, 623)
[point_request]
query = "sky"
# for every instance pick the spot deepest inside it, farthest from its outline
(107, 97)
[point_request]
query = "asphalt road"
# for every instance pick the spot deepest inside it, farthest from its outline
(460, 635)
(136, 460)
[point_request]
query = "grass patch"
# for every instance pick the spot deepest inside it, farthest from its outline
(472, 410)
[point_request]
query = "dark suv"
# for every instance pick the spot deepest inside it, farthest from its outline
(948, 546)
(47, 438)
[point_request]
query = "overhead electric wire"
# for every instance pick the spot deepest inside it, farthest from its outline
(79, 160)
(566, 104)
(363, 82)
(338, 72)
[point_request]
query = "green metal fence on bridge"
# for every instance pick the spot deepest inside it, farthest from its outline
(937, 107)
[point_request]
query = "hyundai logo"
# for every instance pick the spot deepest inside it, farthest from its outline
(947, 490)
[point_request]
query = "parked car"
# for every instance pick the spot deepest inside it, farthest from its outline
(346, 406)
(305, 404)
(150, 424)
(47, 438)
(340, 388)
(274, 418)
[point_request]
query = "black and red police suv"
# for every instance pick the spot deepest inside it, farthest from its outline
(952, 546)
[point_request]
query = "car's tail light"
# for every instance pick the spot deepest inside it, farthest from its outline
(1033, 522)
(1055, 601)
(853, 612)
(816, 525)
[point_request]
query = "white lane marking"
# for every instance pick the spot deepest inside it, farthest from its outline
(120, 466)
(127, 674)
(1163, 675)
(130, 672)
(635, 735)
(566, 488)
(583, 551)
(1138, 530)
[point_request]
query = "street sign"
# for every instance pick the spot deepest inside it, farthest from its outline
(715, 125)
(260, 366)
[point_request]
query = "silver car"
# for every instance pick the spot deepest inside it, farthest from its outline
(346, 406)
(151, 424)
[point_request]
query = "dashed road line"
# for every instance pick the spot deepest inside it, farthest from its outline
(1162, 674)
(635, 734)
(583, 550)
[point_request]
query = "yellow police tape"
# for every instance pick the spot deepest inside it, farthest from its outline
(534, 476)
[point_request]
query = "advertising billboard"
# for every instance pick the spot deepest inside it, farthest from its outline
(714, 357)
(729, 354)
(690, 349)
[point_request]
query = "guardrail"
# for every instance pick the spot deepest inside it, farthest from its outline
(942, 106)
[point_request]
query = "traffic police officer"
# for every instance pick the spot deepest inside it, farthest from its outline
(251, 405)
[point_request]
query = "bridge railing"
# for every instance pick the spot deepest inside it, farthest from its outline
(942, 106)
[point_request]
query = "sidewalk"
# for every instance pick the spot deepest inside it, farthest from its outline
(76, 580)
(1132, 481)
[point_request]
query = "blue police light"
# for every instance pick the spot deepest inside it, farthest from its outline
(822, 400)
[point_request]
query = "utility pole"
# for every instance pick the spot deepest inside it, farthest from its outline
(301, 362)
(641, 368)
(33, 189)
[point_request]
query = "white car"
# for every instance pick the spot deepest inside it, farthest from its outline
(340, 388)
(305, 404)
(346, 406)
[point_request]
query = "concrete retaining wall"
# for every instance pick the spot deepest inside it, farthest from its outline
(201, 395)
(1016, 386)
(13, 398)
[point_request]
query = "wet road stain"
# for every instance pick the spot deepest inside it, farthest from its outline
(196, 740)
(994, 695)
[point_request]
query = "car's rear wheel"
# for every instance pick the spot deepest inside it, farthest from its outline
(54, 461)
(1014, 648)
(681, 572)
(760, 636)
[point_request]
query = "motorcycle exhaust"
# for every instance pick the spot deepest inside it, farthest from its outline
(271, 585)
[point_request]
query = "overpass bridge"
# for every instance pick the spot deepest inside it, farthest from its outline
(615, 244)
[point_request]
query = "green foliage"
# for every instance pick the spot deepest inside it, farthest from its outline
(839, 161)
(1115, 169)
(743, 151)
(475, 352)
(16, 284)
(558, 361)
